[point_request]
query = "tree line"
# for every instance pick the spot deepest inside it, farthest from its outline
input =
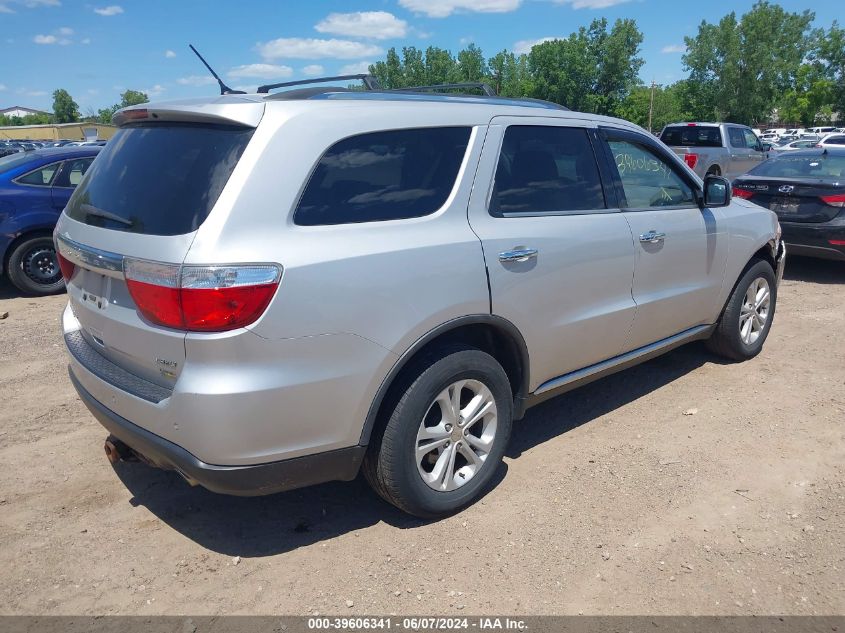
(766, 65)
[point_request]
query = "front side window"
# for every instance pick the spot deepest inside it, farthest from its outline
(546, 169)
(73, 172)
(40, 177)
(647, 179)
(389, 175)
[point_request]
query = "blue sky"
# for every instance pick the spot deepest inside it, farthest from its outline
(98, 49)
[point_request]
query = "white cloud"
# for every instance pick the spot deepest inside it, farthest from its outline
(29, 4)
(5, 9)
(196, 80)
(155, 91)
(358, 68)
(112, 9)
(2, 86)
(52, 39)
(260, 71)
(312, 48)
(313, 70)
(93, 91)
(65, 30)
(445, 8)
(674, 48)
(592, 4)
(85, 40)
(169, 54)
(31, 93)
(379, 25)
(523, 47)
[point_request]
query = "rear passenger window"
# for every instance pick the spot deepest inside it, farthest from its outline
(388, 175)
(545, 169)
(73, 172)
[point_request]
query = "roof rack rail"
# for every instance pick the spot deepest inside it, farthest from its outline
(484, 87)
(370, 82)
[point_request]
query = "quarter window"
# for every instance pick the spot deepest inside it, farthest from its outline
(40, 177)
(648, 180)
(388, 175)
(546, 169)
(750, 139)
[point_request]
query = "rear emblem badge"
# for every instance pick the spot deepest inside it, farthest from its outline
(786, 188)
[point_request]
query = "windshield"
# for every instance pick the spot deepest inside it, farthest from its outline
(691, 136)
(158, 178)
(825, 166)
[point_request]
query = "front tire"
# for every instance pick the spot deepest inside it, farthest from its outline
(34, 267)
(748, 315)
(446, 435)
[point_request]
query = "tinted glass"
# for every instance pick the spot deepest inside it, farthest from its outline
(73, 171)
(383, 176)
(816, 165)
(42, 177)
(835, 140)
(158, 179)
(691, 136)
(736, 137)
(750, 138)
(545, 169)
(648, 180)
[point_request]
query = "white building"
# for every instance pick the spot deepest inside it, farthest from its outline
(20, 111)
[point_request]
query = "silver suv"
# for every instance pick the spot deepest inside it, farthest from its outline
(272, 291)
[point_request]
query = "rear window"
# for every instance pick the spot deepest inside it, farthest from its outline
(821, 165)
(691, 136)
(158, 179)
(388, 175)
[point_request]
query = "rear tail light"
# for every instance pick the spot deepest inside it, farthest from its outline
(66, 266)
(201, 298)
(837, 200)
(837, 242)
(739, 192)
(691, 160)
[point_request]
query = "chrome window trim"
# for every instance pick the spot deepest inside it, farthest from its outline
(104, 262)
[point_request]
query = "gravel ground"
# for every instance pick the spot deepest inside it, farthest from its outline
(682, 486)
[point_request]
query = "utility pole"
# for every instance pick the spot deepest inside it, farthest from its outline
(651, 107)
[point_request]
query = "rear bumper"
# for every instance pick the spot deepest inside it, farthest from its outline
(813, 240)
(258, 479)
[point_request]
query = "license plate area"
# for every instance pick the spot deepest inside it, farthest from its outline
(785, 206)
(94, 290)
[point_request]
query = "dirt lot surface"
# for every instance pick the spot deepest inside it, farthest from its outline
(683, 486)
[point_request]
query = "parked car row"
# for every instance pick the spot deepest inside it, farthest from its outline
(24, 145)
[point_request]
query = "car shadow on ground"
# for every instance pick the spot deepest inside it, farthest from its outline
(265, 526)
(819, 271)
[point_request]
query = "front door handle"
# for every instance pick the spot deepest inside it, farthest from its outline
(652, 237)
(518, 255)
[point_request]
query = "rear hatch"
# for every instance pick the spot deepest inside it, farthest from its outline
(798, 186)
(138, 208)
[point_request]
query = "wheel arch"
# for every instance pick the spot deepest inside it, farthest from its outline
(490, 333)
(32, 231)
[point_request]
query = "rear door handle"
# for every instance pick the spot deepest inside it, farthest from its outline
(518, 255)
(652, 237)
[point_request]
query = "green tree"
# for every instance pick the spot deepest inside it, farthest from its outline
(739, 68)
(65, 109)
(439, 65)
(133, 97)
(829, 58)
(806, 102)
(509, 74)
(471, 65)
(667, 107)
(389, 72)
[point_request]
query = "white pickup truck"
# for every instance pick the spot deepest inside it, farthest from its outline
(722, 149)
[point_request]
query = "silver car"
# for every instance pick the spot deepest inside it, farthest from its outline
(272, 291)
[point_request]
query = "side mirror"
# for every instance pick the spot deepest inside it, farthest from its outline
(717, 191)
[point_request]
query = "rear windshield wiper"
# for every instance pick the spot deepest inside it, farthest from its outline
(100, 213)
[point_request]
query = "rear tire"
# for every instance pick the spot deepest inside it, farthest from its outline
(748, 315)
(458, 404)
(34, 267)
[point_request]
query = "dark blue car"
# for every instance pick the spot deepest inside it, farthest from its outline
(34, 188)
